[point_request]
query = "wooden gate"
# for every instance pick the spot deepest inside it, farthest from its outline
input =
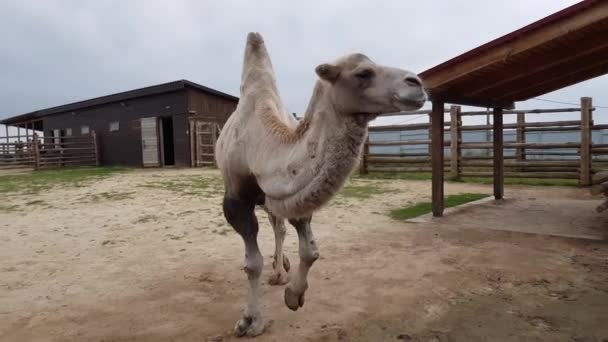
(202, 144)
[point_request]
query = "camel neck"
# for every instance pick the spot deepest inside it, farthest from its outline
(331, 146)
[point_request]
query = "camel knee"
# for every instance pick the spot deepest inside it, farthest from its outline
(310, 253)
(253, 266)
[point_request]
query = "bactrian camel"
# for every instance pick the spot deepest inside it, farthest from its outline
(292, 168)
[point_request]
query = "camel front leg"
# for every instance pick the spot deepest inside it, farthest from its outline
(294, 292)
(280, 264)
(240, 214)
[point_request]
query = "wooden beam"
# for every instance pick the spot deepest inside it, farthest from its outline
(437, 157)
(553, 30)
(536, 68)
(567, 77)
(499, 169)
(585, 149)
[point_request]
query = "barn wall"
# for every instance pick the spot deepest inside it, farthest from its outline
(122, 147)
(211, 107)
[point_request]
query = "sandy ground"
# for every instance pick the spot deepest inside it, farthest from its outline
(124, 260)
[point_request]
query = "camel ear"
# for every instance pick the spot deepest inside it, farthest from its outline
(328, 72)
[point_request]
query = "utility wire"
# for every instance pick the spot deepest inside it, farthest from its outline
(566, 103)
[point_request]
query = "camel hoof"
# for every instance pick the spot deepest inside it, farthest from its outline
(286, 264)
(278, 279)
(293, 300)
(250, 326)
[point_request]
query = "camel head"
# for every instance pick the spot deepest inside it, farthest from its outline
(360, 86)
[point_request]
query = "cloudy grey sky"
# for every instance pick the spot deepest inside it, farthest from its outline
(56, 52)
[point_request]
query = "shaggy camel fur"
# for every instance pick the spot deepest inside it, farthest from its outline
(293, 168)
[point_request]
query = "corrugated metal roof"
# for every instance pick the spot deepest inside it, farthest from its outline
(122, 96)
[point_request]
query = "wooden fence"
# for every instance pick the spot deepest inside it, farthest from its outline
(48, 152)
(582, 156)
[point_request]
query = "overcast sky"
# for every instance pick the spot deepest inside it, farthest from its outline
(57, 52)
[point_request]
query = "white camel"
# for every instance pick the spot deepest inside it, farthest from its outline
(293, 168)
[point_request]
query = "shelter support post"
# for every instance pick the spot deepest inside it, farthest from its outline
(499, 169)
(437, 124)
(585, 151)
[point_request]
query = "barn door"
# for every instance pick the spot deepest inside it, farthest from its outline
(149, 141)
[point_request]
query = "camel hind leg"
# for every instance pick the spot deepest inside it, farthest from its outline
(280, 264)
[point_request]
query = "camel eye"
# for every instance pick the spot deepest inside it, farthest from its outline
(365, 74)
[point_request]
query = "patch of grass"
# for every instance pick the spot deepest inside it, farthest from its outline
(112, 195)
(8, 208)
(191, 185)
(362, 191)
(146, 219)
(396, 175)
(37, 181)
(426, 207)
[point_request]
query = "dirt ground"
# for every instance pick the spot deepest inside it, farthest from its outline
(147, 256)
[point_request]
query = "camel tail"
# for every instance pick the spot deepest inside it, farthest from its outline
(257, 67)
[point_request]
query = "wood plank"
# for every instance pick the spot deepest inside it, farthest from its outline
(437, 118)
(396, 160)
(524, 145)
(550, 175)
(499, 169)
(400, 142)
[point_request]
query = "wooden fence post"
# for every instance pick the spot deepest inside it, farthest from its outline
(94, 142)
(36, 152)
(363, 164)
(585, 150)
(455, 141)
(521, 136)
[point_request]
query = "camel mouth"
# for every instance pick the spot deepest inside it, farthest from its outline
(406, 104)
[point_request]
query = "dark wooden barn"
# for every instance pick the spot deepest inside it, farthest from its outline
(173, 123)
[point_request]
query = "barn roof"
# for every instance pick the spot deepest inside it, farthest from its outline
(123, 96)
(565, 48)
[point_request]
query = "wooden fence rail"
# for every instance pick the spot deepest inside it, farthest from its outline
(582, 156)
(48, 152)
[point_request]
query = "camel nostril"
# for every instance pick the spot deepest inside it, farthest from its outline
(413, 81)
